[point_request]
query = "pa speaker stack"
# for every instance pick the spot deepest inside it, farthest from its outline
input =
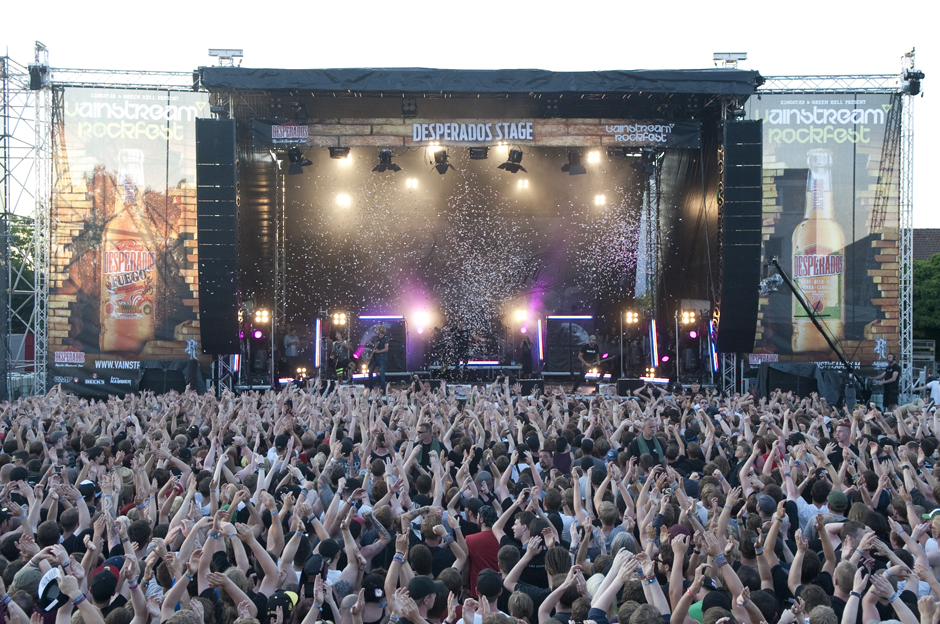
(740, 223)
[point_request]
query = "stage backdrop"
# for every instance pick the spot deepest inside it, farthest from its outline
(123, 286)
(831, 216)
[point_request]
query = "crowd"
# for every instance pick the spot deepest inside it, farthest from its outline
(422, 507)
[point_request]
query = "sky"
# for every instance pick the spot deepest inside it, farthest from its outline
(794, 38)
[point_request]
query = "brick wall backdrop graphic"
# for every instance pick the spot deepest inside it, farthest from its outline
(831, 208)
(123, 285)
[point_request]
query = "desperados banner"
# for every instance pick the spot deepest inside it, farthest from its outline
(124, 288)
(831, 217)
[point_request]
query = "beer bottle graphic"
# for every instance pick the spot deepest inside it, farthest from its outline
(128, 268)
(818, 261)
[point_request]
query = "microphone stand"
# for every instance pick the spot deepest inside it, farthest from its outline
(811, 313)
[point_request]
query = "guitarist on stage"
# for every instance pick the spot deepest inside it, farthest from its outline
(379, 355)
(590, 356)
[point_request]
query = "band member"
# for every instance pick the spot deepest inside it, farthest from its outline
(890, 379)
(291, 350)
(462, 344)
(379, 356)
(525, 357)
(590, 357)
(341, 356)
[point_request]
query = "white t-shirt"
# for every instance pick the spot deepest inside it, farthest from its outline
(934, 387)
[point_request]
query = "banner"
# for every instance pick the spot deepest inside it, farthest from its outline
(831, 216)
(386, 132)
(123, 288)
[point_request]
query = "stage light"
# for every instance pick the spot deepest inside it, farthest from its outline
(594, 157)
(693, 334)
(665, 358)
(411, 183)
(650, 371)
(258, 335)
(301, 372)
(440, 162)
(632, 318)
(365, 368)
(523, 184)
(513, 162)
(688, 317)
(599, 200)
(261, 316)
(479, 153)
(523, 330)
(297, 161)
(339, 318)
(343, 199)
(521, 315)
(409, 107)
(574, 166)
(339, 153)
(385, 162)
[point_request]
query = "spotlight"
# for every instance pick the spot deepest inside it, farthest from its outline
(301, 372)
(440, 162)
(339, 152)
(409, 107)
(261, 316)
(523, 330)
(523, 184)
(411, 183)
(297, 161)
(650, 371)
(512, 164)
(258, 334)
(521, 315)
(339, 318)
(693, 334)
(599, 200)
(665, 358)
(574, 166)
(632, 318)
(479, 153)
(343, 199)
(385, 162)
(688, 317)
(594, 157)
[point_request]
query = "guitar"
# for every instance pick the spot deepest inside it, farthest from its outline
(587, 367)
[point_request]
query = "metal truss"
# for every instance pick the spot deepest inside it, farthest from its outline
(906, 247)
(279, 318)
(125, 79)
(26, 173)
(872, 83)
(728, 373)
(225, 374)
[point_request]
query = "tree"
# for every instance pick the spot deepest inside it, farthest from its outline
(927, 299)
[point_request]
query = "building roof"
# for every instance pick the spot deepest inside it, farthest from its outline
(926, 243)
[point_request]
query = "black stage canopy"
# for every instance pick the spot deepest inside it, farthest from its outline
(523, 81)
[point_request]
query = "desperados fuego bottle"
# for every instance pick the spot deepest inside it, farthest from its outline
(818, 260)
(128, 269)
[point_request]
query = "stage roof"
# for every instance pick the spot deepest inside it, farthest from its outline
(491, 82)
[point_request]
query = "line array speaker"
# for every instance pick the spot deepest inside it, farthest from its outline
(217, 226)
(741, 220)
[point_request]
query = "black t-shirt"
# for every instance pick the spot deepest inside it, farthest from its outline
(118, 603)
(534, 573)
(590, 354)
(537, 594)
(892, 387)
(836, 456)
(685, 466)
(441, 559)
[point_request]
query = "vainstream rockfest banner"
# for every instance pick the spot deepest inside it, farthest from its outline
(831, 217)
(123, 288)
